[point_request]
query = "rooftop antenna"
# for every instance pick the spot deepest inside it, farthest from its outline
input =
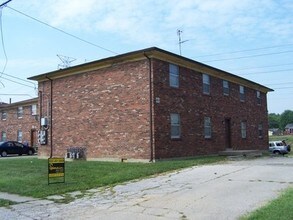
(179, 32)
(66, 61)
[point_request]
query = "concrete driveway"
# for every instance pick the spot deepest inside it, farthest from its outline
(222, 191)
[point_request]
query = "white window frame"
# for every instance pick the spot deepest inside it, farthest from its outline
(4, 115)
(19, 112)
(19, 136)
(258, 97)
(174, 75)
(3, 136)
(260, 130)
(175, 125)
(206, 84)
(242, 93)
(34, 109)
(243, 129)
(207, 127)
(226, 88)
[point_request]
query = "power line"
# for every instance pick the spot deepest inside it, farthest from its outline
(272, 71)
(27, 81)
(3, 45)
(259, 67)
(62, 31)
(241, 51)
(18, 82)
(279, 83)
(256, 55)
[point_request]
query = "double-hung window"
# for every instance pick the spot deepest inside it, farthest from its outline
(260, 130)
(206, 82)
(243, 129)
(175, 125)
(19, 135)
(207, 127)
(3, 136)
(258, 97)
(19, 112)
(174, 75)
(226, 87)
(34, 109)
(3, 115)
(242, 93)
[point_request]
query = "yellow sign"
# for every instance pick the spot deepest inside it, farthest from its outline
(56, 168)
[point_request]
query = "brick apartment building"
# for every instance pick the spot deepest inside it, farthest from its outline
(150, 104)
(19, 121)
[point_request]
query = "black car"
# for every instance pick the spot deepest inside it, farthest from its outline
(14, 147)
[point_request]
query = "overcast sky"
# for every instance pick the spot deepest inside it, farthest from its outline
(249, 38)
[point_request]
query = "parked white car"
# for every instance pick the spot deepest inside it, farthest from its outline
(279, 147)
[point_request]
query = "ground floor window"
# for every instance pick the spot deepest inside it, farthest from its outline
(243, 129)
(260, 131)
(3, 136)
(175, 125)
(19, 136)
(207, 127)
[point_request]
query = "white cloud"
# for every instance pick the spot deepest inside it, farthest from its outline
(155, 22)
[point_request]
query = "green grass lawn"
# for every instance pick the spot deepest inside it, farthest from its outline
(29, 176)
(288, 138)
(6, 203)
(280, 208)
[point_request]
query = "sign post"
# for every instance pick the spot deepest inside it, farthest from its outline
(56, 170)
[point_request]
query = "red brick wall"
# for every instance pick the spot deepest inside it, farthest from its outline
(189, 101)
(28, 124)
(106, 111)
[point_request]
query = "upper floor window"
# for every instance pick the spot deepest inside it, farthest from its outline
(3, 115)
(242, 93)
(258, 97)
(19, 112)
(19, 135)
(225, 87)
(175, 125)
(3, 136)
(243, 129)
(174, 75)
(206, 83)
(207, 127)
(34, 109)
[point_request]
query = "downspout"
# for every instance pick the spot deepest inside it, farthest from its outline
(51, 115)
(40, 107)
(152, 156)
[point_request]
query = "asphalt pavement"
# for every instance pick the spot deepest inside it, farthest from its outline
(220, 191)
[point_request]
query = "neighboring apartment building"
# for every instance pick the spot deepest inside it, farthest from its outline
(151, 104)
(19, 121)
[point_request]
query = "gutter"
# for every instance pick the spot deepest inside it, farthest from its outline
(152, 156)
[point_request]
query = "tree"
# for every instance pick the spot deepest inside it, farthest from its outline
(274, 120)
(286, 118)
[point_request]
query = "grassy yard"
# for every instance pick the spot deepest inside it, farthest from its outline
(280, 208)
(288, 138)
(29, 176)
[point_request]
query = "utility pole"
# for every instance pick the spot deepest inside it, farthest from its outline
(179, 32)
(5, 3)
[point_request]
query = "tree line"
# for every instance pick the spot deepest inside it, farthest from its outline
(280, 120)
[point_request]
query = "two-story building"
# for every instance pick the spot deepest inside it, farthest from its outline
(150, 104)
(19, 121)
